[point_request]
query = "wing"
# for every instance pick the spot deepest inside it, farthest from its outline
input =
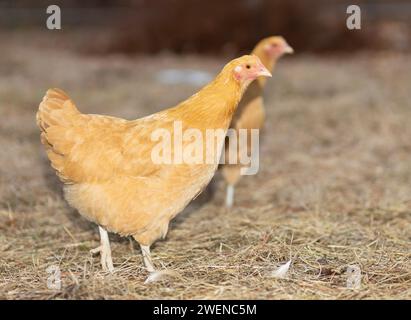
(93, 148)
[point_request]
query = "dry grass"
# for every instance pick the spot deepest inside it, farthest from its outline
(334, 187)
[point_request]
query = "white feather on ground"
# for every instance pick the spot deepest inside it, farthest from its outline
(282, 271)
(161, 275)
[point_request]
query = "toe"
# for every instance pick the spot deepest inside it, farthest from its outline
(96, 250)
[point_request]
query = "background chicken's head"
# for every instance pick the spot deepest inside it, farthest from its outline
(273, 47)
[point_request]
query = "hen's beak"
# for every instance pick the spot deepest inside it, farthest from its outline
(288, 49)
(263, 72)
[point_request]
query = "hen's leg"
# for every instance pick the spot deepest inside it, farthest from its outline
(105, 251)
(229, 199)
(155, 275)
(145, 250)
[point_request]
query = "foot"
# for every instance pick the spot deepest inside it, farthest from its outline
(105, 251)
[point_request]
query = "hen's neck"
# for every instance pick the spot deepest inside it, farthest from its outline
(213, 106)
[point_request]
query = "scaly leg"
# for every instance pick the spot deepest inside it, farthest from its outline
(145, 250)
(105, 251)
(155, 275)
(229, 200)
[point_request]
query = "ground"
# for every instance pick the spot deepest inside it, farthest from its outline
(334, 187)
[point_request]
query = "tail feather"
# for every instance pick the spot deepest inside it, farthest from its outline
(57, 94)
(56, 109)
(56, 116)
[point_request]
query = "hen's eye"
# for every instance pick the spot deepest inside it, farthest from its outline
(248, 66)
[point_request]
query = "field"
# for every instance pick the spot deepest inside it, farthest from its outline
(334, 187)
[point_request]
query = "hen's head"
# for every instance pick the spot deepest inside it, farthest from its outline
(273, 47)
(246, 69)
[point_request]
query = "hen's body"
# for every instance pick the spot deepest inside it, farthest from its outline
(106, 163)
(139, 202)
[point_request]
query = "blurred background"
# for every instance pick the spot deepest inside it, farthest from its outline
(230, 26)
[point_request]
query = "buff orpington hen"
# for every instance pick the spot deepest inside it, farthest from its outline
(250, 113)
(107, 167)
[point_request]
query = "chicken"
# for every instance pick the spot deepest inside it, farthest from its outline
(250, 113)
(107, 165)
